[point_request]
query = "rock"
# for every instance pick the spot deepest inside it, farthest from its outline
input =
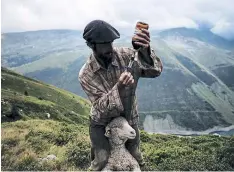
(48, 115)
(73, 113)
(51, 157)
(48, 158)
(215, 134)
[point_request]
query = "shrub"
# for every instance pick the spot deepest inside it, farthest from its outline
(78, 154)
(25, 93)
(27, 163)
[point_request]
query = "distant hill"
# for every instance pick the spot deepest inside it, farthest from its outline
(204, 35)
(194, 93)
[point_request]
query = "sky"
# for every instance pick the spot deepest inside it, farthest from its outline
(28, 15)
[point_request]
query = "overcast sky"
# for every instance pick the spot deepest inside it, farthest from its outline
(25, 15)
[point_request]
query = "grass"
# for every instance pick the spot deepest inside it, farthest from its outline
(24, 142)
(45, 92)
(34, 100)
(28, 135)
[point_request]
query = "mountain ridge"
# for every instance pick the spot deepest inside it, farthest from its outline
(204, 35)
(196, 76)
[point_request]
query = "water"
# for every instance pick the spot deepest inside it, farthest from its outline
(167, 126)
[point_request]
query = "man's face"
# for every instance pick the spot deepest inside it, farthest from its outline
(104, 51)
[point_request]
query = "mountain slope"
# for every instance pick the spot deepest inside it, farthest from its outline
(25, 98)
(175, 99)
(26, 47)
(211, 57)
(203, 35)
(193, 94)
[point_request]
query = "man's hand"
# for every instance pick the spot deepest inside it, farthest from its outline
(125, 79)
(142, 39)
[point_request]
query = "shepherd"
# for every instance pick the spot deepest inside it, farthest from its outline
(110, 83)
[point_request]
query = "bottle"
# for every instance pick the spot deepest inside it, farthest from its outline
(138, 28)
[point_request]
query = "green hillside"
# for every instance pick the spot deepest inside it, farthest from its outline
(30, 134)
(25, 98)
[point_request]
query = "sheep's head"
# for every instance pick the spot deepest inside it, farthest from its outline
(119, 131)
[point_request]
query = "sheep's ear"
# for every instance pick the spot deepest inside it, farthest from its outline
(108, 132)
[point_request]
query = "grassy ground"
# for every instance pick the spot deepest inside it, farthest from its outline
(24, 142)
(33, 99)
(28, 134)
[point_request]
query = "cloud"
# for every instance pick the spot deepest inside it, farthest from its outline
(224, 28)
(24, 15)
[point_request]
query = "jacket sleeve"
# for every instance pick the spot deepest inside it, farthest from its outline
(150, 64)
(105, 103)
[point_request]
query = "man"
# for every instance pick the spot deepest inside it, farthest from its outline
(110, 87)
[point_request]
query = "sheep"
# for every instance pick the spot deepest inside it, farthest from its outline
(118, 132)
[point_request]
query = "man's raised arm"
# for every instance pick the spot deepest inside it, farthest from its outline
(150, 65)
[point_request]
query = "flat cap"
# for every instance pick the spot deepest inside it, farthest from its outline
(99, 31)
